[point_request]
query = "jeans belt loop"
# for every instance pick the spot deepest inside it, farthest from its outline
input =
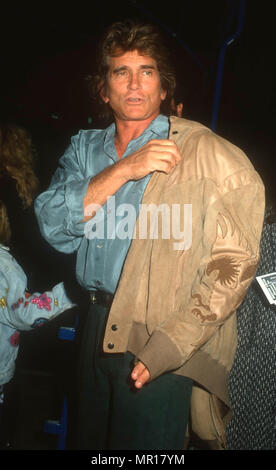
(93, 297)
(102, 298)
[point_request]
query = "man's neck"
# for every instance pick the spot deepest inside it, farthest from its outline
(127, 131)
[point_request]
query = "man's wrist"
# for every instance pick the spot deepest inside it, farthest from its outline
(122, 171)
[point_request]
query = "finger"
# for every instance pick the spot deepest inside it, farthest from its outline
(162, 145)
(138, 370)
(143, 379)
(166, 162)
(167, 151)
(167, 142)
(165, 166)
(140, 375)
(157, 147)
(156, 157)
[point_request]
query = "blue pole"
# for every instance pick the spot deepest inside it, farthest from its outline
(220, 67)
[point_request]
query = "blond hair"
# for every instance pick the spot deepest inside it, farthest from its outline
(5, 229)
(17, 163)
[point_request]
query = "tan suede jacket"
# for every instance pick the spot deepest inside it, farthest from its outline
(174, 309)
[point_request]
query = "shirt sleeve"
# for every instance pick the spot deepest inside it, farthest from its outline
(231, 236)
(59, 209)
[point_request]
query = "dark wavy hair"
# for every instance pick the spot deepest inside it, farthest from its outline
(130, 35)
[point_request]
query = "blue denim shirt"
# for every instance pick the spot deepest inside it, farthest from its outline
(20, 310)
(60, 208)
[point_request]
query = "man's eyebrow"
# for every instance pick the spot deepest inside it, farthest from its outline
(148, 67)
(119, 69)
(124, 67)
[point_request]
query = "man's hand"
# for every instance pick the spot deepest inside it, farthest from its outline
(156, 155)
(140, 375)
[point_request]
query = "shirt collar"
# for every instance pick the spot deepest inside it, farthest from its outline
(158, 126)
(109, 147)
(4, 247)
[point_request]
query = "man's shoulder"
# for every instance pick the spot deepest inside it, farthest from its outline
(10, 271)
(85, 136)
(205, 137)
(7, 261)
(209, 154)
(180, 125)
(5, 256)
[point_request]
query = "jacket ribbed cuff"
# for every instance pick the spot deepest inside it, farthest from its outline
(160, 355)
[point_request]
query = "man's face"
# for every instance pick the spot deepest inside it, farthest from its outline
(133, 88)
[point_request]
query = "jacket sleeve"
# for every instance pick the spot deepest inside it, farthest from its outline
(59, 209)
(230, 235)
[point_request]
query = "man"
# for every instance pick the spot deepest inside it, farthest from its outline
(163, 300)
(177, 109)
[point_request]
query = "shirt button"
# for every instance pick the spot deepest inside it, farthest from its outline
(110, 345)
(114, 328)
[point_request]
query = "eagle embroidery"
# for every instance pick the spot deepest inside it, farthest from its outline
(231, 270)
(228, 269)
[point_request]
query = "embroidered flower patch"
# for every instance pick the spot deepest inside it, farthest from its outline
(14, 339)
(16, 304)
(42, 301)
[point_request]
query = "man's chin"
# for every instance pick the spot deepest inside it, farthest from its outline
(137, 115)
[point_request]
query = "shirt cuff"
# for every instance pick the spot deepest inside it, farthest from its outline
(61, 301)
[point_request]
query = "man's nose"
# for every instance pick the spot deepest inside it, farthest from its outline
(134, 81)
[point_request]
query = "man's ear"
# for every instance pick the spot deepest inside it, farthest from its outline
(103, 93)
(163, 95)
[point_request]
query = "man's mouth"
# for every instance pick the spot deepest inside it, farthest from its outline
(134, 100)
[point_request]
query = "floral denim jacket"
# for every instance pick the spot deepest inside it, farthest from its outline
(20, 310)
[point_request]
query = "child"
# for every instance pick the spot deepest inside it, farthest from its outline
(20, 310)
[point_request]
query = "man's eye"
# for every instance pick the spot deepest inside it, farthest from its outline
(147, 73)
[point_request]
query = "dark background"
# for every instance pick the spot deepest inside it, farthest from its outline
(48, 51)
(46, 55)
